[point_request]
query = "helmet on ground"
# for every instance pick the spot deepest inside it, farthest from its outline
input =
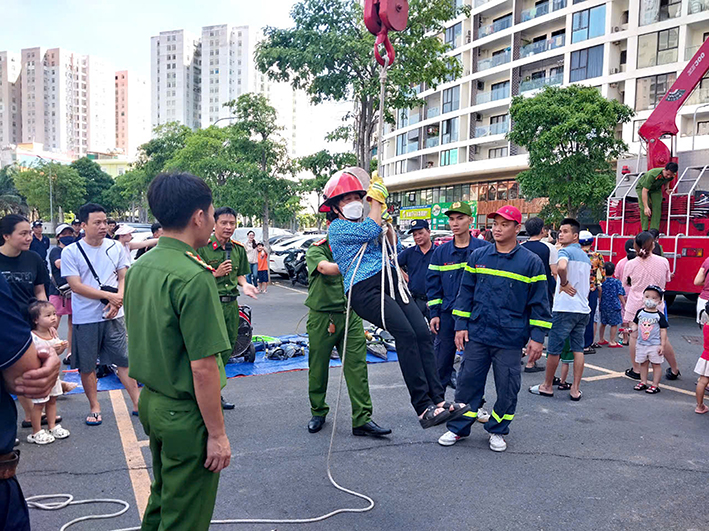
(343, 182)
(585, 237)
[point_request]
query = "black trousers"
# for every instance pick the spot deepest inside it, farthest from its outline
(422, 304)
(414, 346)
(13, 508)
(445, 348)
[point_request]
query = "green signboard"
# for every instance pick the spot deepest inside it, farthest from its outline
(439, 220)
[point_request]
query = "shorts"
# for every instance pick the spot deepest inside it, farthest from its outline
(702, 367)
(63, 305)
(567, 356)
(567, 325)
(611, 317)
(262, 276)
(105, 341)
(56, 391)
(644, 353)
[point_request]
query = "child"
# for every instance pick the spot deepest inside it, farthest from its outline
(43, 316)
(611, 304)
(262, 268)
(651, 329)
(702, 368)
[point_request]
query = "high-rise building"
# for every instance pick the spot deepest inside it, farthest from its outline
(132, 112)
(453, 147)
(10, 99)
(176, 78)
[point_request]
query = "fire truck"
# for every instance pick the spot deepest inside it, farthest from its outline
(685, 207)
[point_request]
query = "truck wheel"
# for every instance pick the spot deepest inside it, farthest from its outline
(670, 299)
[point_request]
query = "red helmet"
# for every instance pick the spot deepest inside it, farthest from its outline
(343, 182)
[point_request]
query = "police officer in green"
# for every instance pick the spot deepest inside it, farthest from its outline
(326, 330)
(649, 190)
(177, 335)
(228, 259)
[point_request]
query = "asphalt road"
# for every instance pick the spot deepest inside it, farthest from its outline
(617, 459)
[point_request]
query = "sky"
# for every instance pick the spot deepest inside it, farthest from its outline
(120, 30)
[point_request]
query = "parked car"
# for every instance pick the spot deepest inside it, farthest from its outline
(281, 250)
(407, 240)
(241, 232)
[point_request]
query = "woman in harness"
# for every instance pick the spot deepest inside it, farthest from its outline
(348, 235)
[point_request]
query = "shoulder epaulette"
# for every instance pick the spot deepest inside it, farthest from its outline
(199, 261)
(321, 241)
(238, 243)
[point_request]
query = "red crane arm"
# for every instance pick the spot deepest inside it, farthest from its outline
(663, 119)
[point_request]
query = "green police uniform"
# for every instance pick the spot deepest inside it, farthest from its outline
(214, 254)
(326, 300)
(653, 184)
(173, 317)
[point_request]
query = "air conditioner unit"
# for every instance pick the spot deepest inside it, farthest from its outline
(478, 117)
(615, 70)
(616, 29)
(481, 85)
(469, 37)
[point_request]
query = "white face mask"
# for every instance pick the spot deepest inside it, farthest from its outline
(649, 303)
(353, 211)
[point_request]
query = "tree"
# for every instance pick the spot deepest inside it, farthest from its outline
(329, 54)
(11, 202)
(323, 165)
(69, 188)
(98, 183)
(571, 136)
(168, 139)
(128, 194)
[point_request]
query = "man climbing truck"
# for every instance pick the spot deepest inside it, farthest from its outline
(651, 188)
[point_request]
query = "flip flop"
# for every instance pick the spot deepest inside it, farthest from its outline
(617, 345)
(135, 413)
(535, 391)
(96, 419)
(576, 398)
(601, 343)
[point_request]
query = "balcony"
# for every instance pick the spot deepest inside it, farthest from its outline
(689, 51)
(497, 60)
(542, 46)
(500, 128)
(535, 84)
(432, 112)
(499, 25)
(479, 3)
(700, 95)
(542, 9)
(696, 6)
(492, 95)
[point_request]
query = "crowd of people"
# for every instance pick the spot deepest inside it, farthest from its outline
(492, 299)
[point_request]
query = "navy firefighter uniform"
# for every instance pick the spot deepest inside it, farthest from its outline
(502, 302)
(442, 283)
(416, 264)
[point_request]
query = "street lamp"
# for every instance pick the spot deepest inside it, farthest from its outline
(51, 193)
(225, 118)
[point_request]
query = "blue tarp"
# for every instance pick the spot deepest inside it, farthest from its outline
(260, 366)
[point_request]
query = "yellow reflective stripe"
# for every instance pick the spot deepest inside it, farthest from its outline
(543, 324)
(433, 267)
(471, 414)
(435, 301)
(461, 314)
(500, 419)
(453, 267)
(506, 274)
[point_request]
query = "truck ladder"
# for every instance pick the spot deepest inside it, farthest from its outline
(689, 184)
(622, 183)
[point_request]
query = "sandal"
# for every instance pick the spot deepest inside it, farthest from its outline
(28, 424)
(601, 343)
(94, 419)
(456, 409)
(630, 373)
(556, 381)
(564, 386)
(430, 418)
(701, 409)
(640, 387)
(652, 390)
(536, 391)
(576, 398)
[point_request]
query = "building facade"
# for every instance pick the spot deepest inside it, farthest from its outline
(454, 146)
(132, 112)
(10, 98)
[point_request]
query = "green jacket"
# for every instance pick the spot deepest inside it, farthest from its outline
(326, 293)
(214, 254)
(653, 180)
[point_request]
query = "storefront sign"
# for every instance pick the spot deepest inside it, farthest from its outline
(408, 214)
(439, 220)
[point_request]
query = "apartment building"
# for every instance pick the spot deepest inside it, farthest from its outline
(176, 78)
(453, 147)
(132, 112)
(10, 99)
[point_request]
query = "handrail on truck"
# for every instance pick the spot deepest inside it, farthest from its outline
(631, 187)
(688, 194)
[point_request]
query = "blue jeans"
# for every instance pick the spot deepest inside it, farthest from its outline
(252, 278)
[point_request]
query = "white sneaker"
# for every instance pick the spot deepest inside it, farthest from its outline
(449, 439)
(41, 437)
(497, 443)
(483, 415)
(59, 433)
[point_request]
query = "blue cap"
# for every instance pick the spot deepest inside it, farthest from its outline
(418, 224)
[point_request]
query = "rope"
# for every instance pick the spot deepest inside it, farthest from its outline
(34, 503)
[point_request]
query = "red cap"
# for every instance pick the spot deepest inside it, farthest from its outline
(508, 212)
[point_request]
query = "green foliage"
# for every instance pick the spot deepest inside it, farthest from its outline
(322, 165)
(11, 202)
(69, 188)
(329, 54)
(128, 192)
(168, 140)
(570, 134)
(98, 182)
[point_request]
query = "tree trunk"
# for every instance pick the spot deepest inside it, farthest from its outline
(266, 221)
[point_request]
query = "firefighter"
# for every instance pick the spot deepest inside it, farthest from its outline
(415, 261)
(650, 188)
(502, 305)
(228, 259)
(442, 283)
(326, 330)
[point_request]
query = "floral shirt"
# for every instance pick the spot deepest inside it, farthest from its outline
(598, 273)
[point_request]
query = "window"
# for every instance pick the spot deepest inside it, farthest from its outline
(586, 64)
(658, 48)
(454, 35)
(636, 127)
(449, 131)
(401, 144)
(657, 11)
(650, 90)
(500, 90)
(451, 99)
(588, 24)
(449, 158)
(496, 153)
